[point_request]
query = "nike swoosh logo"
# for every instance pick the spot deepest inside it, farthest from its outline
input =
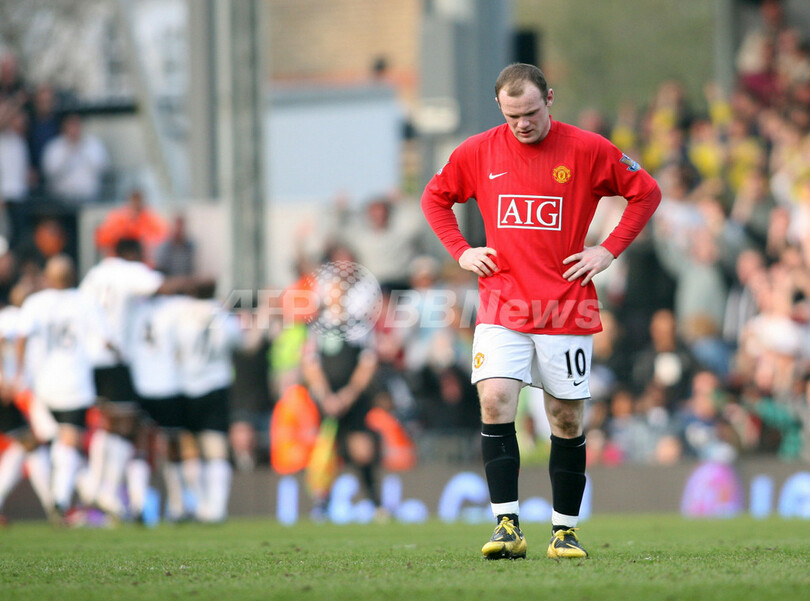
(493, 176)
(578, 383)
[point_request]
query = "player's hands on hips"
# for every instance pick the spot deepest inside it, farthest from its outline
(589, 262)
(332, 405)
(478, 261)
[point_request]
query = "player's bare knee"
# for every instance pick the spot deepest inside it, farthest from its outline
(498, 403)
(565, 422)
(565, 416)
(361, 448)
(69, 436)
(187, 445)
(122, 419)
(490, 414)
(213, 445)
(570, 428)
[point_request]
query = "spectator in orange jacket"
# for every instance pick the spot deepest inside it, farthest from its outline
(133, 220)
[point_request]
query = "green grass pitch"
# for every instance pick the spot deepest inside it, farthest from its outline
(638, 558)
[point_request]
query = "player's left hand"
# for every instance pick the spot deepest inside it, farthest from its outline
(332, 405)
(347, 397)
(589, 262)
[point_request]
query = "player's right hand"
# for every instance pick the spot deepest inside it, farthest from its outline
(478, 261)
(332, 405)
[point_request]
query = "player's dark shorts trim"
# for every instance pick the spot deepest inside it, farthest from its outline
(11, 418)
(114, 383)
(165, 412)
(354, 420)
(72, 417)
(208, 412)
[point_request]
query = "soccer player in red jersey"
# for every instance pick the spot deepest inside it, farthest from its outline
(537, 183)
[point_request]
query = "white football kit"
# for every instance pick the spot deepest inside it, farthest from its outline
(114, 283)
(9, 320)
(207, 335)
(39, 418)
(62, 321)
(153, 346)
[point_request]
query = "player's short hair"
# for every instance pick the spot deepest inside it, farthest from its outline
(205, 289)
(129, 248)
(514, 77)
(60, 271)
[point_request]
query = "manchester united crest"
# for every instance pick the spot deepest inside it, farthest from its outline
(561, 174)
(478, 360)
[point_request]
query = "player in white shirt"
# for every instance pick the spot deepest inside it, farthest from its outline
(13, 427)
(207, 336)
(61, 319)
(116, 283)
(155, 368)
(25, 424)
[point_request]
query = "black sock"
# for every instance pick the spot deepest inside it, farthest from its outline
(501, 455)
(368, 474)
(566, 467)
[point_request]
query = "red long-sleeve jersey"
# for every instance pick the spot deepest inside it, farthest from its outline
(537, 202)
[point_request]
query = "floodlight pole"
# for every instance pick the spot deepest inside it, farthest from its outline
(725, 42)
(227, 122)
(146, 103)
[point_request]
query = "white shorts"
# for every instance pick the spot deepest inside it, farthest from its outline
(560, 364)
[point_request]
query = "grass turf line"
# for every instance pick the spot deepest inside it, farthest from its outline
(632, 557)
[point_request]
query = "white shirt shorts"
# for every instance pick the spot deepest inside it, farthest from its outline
(560, 364)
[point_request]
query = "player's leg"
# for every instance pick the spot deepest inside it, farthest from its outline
(136, 471)
(89, 480)
(101, 447)
(122, 419)
(565, 367)
(173, 476)
(191, 467)
(166, 415)
(499, 449)
(138, 474)
(217, 475)
(66, 457)
(566, 466)
(12, 458)
(22, 454)
(40, 435)
(191, 464)
(38, 467)
(139, 470)
(12, 451)
(217, 470)
(122, 422)
(359, 446)
(498, 398)
(502, 361)
(362, 451)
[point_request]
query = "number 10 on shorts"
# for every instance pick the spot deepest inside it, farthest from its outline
(578, 362)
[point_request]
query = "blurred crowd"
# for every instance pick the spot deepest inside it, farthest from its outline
(705, 351)
(50, 165)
